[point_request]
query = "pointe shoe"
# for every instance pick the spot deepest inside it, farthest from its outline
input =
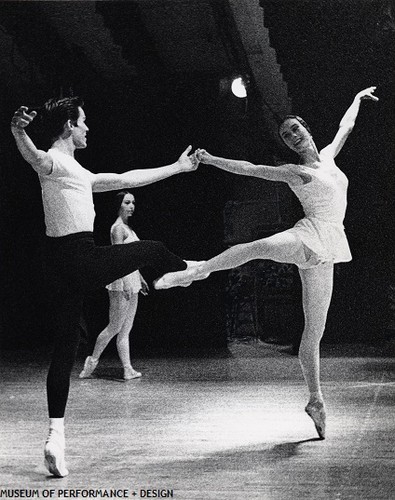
(181, 278)
(130, 373)
(54, 454)
(194, 263)
(89, 367)
(177, 278)
(316, 411)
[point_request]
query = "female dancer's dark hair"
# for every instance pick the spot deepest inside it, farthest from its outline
(119, 199)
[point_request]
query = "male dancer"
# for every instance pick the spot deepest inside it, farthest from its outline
(74, 263)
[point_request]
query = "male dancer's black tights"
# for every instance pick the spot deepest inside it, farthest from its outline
(76, 265)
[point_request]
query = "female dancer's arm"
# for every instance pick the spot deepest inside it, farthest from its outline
(118, 236)
(282, 173)
(347, 122)
(144, 285)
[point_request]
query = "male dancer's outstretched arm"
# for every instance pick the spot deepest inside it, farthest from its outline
(42, 162)
(142, 177)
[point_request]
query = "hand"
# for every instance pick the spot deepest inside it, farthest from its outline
(188, 163)
(144, 287)
(367, 94)
(22, 118)
(203, 156)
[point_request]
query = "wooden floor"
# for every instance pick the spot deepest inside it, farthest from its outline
(226, 426)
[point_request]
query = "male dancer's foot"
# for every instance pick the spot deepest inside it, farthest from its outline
(315, 409)
(54, 453)
(195, 271)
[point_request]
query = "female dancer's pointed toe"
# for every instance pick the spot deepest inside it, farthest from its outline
(170, 280)
(184, 278)
(316, 411)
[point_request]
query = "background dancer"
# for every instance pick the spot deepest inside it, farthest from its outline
(123, 295)
(314, 244)
(74, 263)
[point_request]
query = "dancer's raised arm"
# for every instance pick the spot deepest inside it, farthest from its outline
(348, 121)
(38, 159)
(282, 173)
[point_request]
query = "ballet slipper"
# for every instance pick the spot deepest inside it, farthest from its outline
(316, 411)
(130, 373)
(89, 367)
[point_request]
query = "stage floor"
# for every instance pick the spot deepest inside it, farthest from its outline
(225, 426)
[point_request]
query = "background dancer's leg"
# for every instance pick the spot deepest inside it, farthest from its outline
(118, 310)
(123, 345)
(122, 312)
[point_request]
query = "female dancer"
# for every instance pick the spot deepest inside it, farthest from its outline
(314, 244)
(123, 294)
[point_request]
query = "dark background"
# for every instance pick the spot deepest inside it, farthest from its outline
(145, 113)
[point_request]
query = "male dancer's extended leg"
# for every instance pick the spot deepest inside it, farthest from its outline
(317, 285)
(78, 265)
(103, 265)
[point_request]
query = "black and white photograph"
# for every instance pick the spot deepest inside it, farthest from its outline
(197, 249)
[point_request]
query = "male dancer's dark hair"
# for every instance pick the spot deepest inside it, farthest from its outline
(55, 113)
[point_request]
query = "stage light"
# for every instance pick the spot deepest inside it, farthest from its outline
(238, 87)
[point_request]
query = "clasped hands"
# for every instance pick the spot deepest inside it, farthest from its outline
(189, 162)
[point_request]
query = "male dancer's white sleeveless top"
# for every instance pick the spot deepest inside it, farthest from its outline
(324, 201)
(132, 281)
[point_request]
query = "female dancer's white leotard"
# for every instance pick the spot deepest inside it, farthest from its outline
(324, 201)
(132, 281)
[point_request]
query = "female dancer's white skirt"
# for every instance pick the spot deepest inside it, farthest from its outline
(321, 241)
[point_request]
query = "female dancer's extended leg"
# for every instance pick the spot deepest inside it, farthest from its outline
(317, 286)
(281, 247)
